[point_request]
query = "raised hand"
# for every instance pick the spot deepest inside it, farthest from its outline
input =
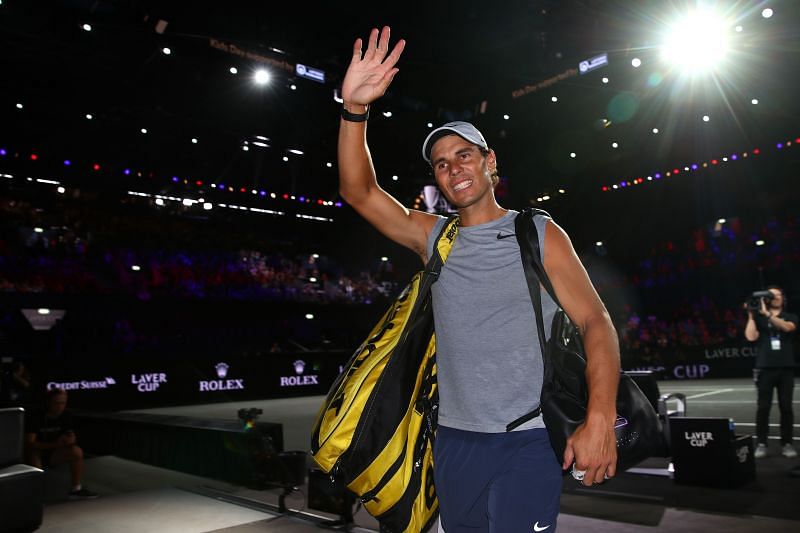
(370, 74)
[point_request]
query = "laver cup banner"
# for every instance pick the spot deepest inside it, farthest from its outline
(729, 360)
(136, 383)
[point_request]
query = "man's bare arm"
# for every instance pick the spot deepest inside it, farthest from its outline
(366, 80)
(593, 445)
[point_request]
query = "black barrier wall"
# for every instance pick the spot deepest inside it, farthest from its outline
(731, 360)
(140, 383)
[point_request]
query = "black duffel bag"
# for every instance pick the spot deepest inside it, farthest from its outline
(564, 389)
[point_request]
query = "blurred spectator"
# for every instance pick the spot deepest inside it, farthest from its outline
(50, 440)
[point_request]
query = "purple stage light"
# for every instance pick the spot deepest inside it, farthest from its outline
(780, 145)
(302, 198)
(127, 172)
(3, 151)
(263, 193)
(175, 179)
(221, 186)
(67, 162)
(734, 157)
(658, 175)
(338, 204)
(694, 166)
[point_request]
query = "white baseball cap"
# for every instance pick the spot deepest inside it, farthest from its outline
(465, 130)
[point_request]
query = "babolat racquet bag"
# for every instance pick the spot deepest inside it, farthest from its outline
(377, 425)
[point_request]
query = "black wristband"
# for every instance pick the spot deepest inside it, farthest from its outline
(355, 117)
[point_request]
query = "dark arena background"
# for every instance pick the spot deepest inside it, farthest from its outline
(174, 251)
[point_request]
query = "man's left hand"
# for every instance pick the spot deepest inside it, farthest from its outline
(593, 449)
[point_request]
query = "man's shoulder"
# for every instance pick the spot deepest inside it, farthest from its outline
(791, 317)
(33, 419)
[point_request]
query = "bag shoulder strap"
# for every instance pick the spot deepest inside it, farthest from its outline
(441, 250)
(443, 245)
(528, 240)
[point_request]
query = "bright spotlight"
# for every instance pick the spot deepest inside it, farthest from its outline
(655, 130)
(706, 118)
(233, 70)
(604, 80)
(262, 77)
(554, 98)
(697, 42)
(766, 13)
(87, 27)
(754, 101)
(166, 51)
(636, 62)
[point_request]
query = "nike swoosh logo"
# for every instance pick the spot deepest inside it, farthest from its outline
(500, 236)
(537, 528)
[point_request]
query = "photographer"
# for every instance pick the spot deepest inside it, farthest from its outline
(773, 328)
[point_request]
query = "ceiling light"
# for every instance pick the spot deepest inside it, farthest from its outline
(387, 114)
(614, 145)
(87, 27)
(636, 62)
(754, 101)
(233, 70)
(573, 155)
(655, 130)
(143, 130)
(697, 42)
(706, 118)
(604, 80)
(554, 98)
(166, 51)
(261, 77)
(767, 13)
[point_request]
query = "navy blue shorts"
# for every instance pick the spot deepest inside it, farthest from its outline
(496, 482)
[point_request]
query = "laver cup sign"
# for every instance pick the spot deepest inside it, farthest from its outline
(299, 380)
(224, 383)
(148, 382)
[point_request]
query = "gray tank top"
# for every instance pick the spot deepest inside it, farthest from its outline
(489, 363)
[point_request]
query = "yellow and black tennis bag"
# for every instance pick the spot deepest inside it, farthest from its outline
(377, 425)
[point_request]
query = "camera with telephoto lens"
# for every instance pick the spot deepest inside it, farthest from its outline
(754, 300)
(249, 414)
